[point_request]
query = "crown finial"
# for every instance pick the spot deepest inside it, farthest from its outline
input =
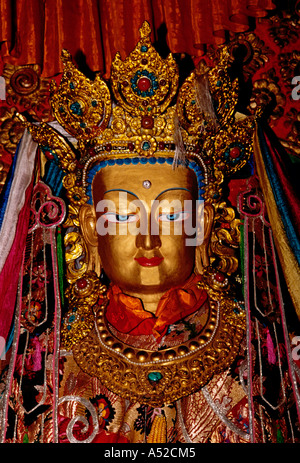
(144, 83)
(145, 30)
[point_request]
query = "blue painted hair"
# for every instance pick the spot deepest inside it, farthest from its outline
(141, 160)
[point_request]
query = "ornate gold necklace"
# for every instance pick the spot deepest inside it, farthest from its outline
(145, 376)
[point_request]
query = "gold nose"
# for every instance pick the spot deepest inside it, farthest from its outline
(148, 238)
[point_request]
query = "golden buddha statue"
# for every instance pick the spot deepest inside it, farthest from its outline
(155, 326)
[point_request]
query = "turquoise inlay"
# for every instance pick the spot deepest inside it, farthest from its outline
(234, 161)
(146, 145)
(143, 160)
(155, 376)
(76, 108)
(151, 77)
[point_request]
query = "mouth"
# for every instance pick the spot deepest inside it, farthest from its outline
(152, 262)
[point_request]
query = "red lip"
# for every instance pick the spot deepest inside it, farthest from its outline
(145, 262)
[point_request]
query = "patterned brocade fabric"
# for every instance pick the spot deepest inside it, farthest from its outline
(188, 420)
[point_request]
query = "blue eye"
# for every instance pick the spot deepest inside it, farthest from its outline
(174, 217)
(120, 218)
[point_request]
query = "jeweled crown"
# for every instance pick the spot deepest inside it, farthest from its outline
(151, 117)
(145, 117)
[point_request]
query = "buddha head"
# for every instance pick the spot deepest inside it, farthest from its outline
(146, 227)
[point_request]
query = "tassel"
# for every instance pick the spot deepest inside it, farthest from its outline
(271, 350)
(158, 433)
(180, 153)
(204, 99)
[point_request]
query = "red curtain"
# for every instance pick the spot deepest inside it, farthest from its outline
(35, 31)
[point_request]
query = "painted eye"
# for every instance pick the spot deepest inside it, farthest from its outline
(174, 216)
(120, 218)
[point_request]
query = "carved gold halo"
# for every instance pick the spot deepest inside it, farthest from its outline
(182, 370)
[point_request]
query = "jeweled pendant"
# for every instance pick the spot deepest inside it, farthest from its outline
(154, 377)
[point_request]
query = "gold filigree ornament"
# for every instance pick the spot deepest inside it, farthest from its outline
(151, 120)
(81, 106)
(196, 123)
(144, 84)
(152, 377)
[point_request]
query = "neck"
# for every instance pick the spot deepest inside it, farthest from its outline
(150, 301)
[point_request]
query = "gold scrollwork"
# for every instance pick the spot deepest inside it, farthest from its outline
(163, 376)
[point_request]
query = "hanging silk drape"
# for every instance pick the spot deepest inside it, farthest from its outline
(35, 31)
(281, 191)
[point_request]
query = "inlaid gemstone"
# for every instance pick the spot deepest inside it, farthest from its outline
(146, 184)
(235, 152)
(220, 277)
(155, 376)
(76, 108)
(146, 146)
(144, 84)
(147, 122)
(82, 283)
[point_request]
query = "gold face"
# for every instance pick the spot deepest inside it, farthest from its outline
(141, 214)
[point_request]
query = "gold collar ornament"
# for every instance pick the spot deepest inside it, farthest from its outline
(145, 376)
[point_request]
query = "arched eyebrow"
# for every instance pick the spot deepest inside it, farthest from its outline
(120, 189)
(170, 189)
(133, 194)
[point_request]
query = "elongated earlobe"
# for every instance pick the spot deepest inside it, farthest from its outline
(201, 254)
(87, 217)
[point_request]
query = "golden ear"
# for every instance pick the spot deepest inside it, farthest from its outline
(201, 254)
(88, 219)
